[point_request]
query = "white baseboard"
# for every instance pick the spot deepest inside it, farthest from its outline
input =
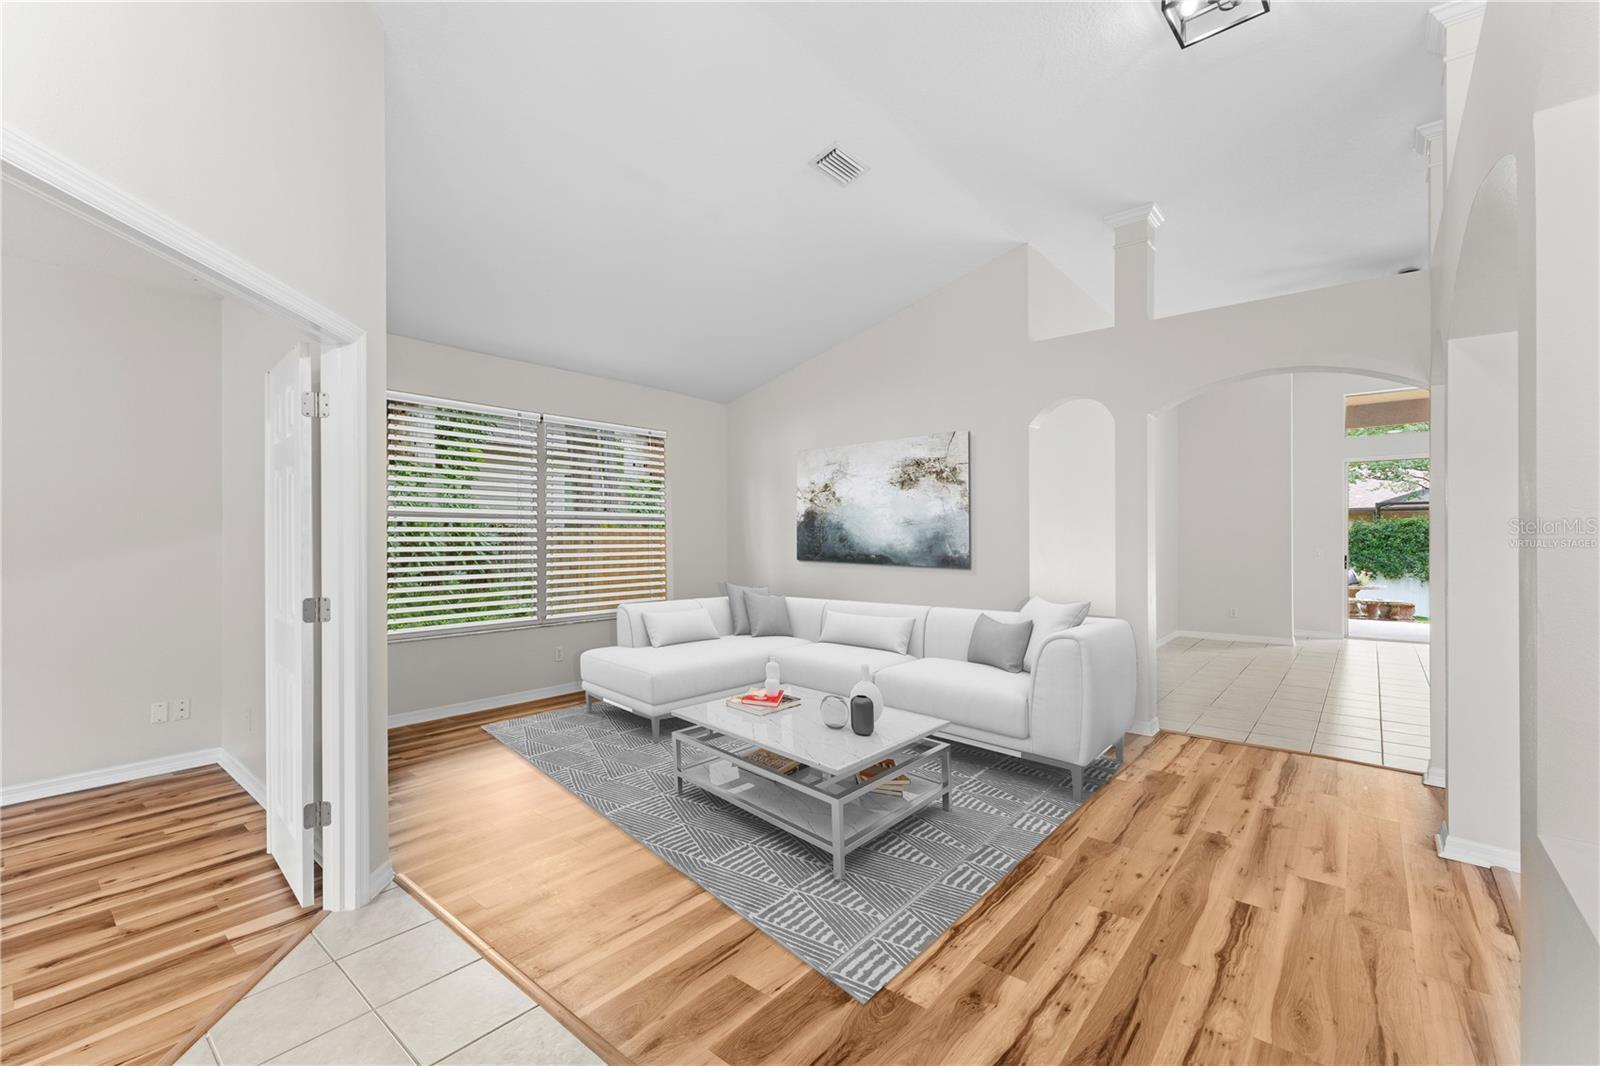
(489, 703)
(1319, 634)
(241, 773)
(132, 771)
(379, 879)
(1475, 853)
(1145, 727)
(1434, 776)
(1203, 635)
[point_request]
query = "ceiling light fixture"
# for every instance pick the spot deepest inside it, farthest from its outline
(1192, 21)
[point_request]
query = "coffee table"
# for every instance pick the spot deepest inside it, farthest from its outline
(821, 803)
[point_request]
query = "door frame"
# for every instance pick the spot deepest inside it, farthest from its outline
(348, 718)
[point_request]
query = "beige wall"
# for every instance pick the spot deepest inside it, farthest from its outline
(447, 671)
(112, 520)
(1234, 555)
(260, 126)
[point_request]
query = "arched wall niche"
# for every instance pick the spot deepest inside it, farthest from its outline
(1072, 497)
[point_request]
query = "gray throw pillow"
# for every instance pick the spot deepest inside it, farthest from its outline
(769, 615)
(997, 643)
(741, 614)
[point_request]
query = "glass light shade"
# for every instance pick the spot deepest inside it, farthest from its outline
(1192, 21)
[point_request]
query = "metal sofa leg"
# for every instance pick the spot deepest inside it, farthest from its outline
(655, 728)
(1077, 784)
(1122, 751)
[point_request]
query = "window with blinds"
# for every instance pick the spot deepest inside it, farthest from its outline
(503, 518)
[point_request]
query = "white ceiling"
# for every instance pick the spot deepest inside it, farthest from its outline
(626, 191)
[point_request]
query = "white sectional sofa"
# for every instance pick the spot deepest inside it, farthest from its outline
(1077, 701)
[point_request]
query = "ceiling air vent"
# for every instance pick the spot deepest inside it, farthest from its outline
(838, 166)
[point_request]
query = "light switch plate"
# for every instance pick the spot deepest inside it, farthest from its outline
(158, 712)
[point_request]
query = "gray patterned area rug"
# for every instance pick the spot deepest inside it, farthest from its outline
(900, 891)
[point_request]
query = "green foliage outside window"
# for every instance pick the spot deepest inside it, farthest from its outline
(1391, 547)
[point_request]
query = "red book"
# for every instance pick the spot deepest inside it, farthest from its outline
(760, 696)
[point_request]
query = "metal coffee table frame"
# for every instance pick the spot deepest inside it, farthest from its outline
(839, 792)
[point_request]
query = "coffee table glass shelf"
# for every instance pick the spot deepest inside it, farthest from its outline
(821, 803)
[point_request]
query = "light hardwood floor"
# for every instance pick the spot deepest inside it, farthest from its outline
(1215, 903)
(132, 916)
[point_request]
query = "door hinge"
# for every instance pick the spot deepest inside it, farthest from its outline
(316, 610)
(314, 404)
(318, 815)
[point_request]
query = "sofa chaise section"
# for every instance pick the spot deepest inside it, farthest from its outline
(653, 682)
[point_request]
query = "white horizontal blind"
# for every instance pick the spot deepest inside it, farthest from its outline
(463, 516)
(468, 545)
(605, 517)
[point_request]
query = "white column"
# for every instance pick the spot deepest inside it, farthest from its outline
(1429, 144)
(1134, 240)
(1453, 33)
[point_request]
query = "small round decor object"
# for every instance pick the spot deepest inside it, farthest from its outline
(866, 687)
(773, 686)
(862, 720)
(835, 712)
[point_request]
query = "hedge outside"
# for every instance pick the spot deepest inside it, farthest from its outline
(1390, 547)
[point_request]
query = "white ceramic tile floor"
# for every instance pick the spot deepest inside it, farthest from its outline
(387, 984)
(1365, 700)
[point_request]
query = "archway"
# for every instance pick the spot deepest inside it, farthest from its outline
(1249, 508)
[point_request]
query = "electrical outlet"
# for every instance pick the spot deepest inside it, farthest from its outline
(561, 654)
(1233, 612)
(180, 710)
(158, 712)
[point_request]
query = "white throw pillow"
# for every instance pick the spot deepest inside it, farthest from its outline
(1048, 619)
(679, 627)
(885, 632)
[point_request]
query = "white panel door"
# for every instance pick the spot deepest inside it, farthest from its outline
(290, 580)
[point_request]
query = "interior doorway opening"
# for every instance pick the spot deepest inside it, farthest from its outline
(1387, 532)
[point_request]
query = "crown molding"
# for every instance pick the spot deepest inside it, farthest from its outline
(1149, 213)
(30, 165)
(1426, 140)
(1444, 16)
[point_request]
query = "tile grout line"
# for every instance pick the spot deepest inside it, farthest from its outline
(372, 1010)
(532, 1006)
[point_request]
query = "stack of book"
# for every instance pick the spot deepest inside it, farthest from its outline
(757, 701)
(771, 760)
(894, 786)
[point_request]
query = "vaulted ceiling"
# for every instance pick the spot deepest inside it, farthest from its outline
(626, 190)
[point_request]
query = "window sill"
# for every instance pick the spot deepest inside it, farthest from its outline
(406, 636)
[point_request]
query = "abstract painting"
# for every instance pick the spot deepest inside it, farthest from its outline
(892, 502)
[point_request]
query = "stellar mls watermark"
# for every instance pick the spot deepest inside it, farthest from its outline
(1566, 532)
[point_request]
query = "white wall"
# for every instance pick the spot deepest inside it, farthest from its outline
(446, 671)
(1482, 732)
(1166, 524)
(1072, 506)
(258, 125)
(112, 520)
(961, 359)
(1533, 100)
(1235, 494)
